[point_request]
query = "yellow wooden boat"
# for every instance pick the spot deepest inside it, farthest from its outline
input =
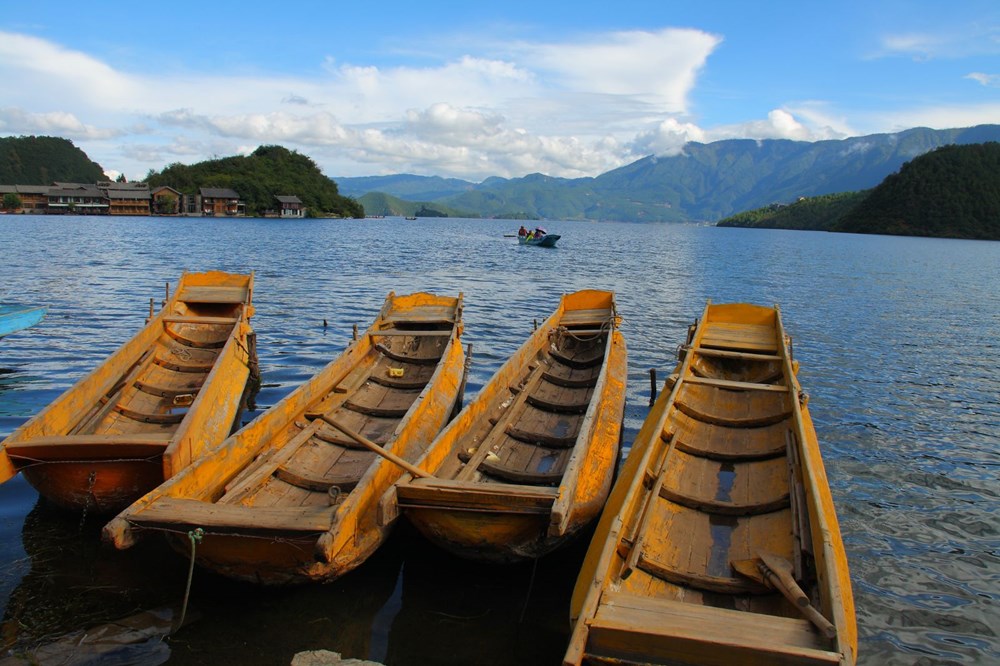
(719, 543)
(295, 495)
(531, 460)
(165, 397)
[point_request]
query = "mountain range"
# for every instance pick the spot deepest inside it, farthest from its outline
(705, 182)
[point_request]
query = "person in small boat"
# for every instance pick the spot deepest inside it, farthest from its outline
(538, 233)
(522, 231)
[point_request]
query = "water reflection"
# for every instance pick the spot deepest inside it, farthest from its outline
(897, 338)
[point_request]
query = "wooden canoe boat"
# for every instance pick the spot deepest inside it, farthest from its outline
(14, 318)
(719, 543)
(531, 459)
(166, 396)
(295, 495)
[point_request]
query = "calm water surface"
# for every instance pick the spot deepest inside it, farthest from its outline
(897, 337)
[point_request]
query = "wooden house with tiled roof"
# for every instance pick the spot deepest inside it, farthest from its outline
(290, 206)
(126, 198)
(220, 202)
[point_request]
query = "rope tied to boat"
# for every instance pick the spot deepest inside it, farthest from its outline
(606, 326)
(195, 536)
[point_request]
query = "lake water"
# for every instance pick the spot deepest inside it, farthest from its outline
(898, 340)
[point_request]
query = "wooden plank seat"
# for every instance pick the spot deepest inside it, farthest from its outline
(471, 496)
(570, 382)
(403, 358)
(630, 628)
(722, 508)
(700, 580)
(187, 514)
(195, 319)
(95, 447)
(579, 361)
(558, 407)
(520, 476)
(212, 294)
(726, 443)
(167, 391)
(191, 342)
(743, 356)
(737, 386)
(753, 338)
(392, 412)
(399, 332)
(744, 409)
(149, 417)
(332, 436)
(184, 367)
(545, 439)
(594, 317)
(345, 484)
(402, 384)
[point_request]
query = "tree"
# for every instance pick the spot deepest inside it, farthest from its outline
(166, 204)
(11, 201)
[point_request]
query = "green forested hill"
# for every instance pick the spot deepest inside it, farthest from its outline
(259, 177)
(820, 213)
(43, 160)
(380, 203)
(951, 192)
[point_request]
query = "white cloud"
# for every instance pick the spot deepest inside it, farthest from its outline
(658, 67)
(988, 80)
(562, 107)
(56, 123)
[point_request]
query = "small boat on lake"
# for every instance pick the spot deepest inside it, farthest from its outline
(167, 395)
(15, 318)
(545, 240)
(720, 543)
(530, 460)
(299, 494)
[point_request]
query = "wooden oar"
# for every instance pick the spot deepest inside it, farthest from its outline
(776, 572)
(369, 444)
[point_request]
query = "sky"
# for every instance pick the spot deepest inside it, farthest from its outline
(479, 89)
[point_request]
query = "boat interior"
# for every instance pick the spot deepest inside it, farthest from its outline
(725, 474)
(141, 411)
(316, 460)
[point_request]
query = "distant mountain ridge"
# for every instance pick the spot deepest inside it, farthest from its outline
(705, 183)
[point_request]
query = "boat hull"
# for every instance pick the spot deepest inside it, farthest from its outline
(558, 420)
(291, 498)
(722, 511)
(548, 240)
(15, 318)
(173, 391)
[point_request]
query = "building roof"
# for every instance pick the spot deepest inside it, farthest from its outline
(75, 189)
(160, 188)
(218, 193)
(288, 199)
(32, 189)
(115, 193)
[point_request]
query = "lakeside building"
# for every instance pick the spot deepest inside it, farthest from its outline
(137, 199)
(290, 206)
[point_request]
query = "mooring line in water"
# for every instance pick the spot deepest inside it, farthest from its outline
(195, 536)
(531, 585)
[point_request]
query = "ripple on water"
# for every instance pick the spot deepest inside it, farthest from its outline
(897, 339)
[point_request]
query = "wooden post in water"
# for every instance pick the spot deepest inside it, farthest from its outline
(652, 386)
(355, 332)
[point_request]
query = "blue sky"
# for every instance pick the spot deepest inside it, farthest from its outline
(472, 90)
